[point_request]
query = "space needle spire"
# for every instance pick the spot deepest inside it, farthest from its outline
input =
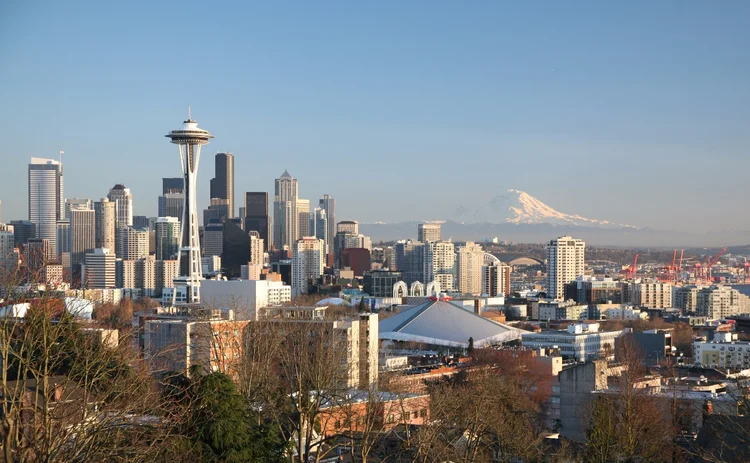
(187, 283)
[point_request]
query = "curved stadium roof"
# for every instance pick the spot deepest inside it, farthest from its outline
(445, 324)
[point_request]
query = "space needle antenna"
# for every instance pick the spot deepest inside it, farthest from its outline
(190, 114)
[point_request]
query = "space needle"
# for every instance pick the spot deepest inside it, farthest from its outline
(187, 283)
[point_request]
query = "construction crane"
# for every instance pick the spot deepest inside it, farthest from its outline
(711, 263)
(679, 267)
(631, 271)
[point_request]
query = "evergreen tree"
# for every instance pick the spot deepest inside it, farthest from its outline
(362, 306)
(470, 349)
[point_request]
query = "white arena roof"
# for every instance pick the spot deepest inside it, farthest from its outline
(445, 324)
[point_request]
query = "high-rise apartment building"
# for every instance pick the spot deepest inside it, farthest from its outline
(123, 200)
(8, 255)
(565, 262)
(222, 185)
(105, 215)
(167, 231)
(256, 248)
(328, 204)
(99, 269)
(134, 243)
(469, 269)
(307, 263)
(303, 219)
(285, 214)
(495, 280)
(440, 262)
(718, 302)
(46, 200)
(428, 232)
(82, 238)
(256, 216)
(348, 226)
(653, 295)
(77, 204)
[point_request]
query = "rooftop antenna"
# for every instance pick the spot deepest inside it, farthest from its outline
(190, 114)
(61, 153)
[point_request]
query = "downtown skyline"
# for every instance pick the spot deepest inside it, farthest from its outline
(531, 99)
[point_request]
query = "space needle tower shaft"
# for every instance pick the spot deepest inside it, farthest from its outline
(190, 139)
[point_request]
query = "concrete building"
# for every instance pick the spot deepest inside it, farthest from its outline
(210, 264)
(8, 254)
(581, 341)
(303, 218)
(307, 263)
(718, 302)
(99, 269)
(222, 185)
(37, 250)
(651, 294)
(357, 260)
(123, 200)
(77, 204)
(655, 345)
(427, 232)
(134, 243)
(379, 283)
(179, 344)
(62, 234)
(82, 237)
(245, 297)
(256, 248)
(285, 213)
(148, 275)
(328, 204)
(686, 297)
(469, 269)
(565, 262)
(496, 280)
(348, 226)
(105, 213)
(724, 351)
(46, 199)
(595, 290)
(167, 231)
(440, 262)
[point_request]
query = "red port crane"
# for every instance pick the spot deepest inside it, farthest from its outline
(632, 270)
(679, 267)
(713, 261)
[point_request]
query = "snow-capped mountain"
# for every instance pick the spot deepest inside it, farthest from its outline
(519, 207)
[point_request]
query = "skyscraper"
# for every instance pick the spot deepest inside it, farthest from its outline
(167, 238)
(123, 200)
(319, 226)
(171, 204)
(565, 262)
(77, 203)
(105, 213)
(134, 243)
(23, 231)
(285, 215)
(190, 138)
(307, 263)
(256, 215)
(82, 238)
(303, 217)
(348, 226)
(440, 261)
(62, 236)
(469, 269)
(222, 185)
(328, 204)
(172, 185)
(428, 232)
(256, 248)
(46, 201)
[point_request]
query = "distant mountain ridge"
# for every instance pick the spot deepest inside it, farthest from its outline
(519, 217)
(519, 207)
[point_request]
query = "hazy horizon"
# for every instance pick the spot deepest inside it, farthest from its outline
(635, 113)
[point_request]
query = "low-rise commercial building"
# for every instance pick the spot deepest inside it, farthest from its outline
(581, 341)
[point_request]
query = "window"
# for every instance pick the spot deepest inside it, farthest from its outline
(391, 418)
(423, 413)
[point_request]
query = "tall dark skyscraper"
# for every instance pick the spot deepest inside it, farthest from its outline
(222, 185)
(172, 185)
(256, 215)
(328, 204)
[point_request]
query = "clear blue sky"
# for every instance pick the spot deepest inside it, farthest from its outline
(636, 112)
